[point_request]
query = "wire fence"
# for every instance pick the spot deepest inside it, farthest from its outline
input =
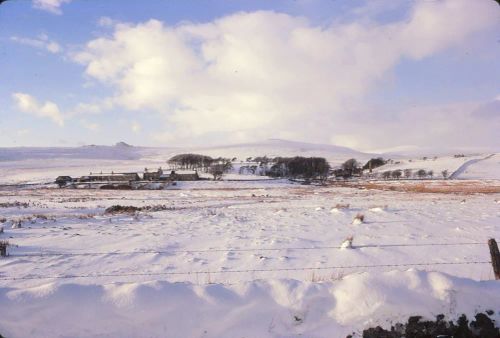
(191, 251)
(167, 273)
(225, 270)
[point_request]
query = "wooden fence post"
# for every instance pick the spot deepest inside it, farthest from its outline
(3, 248)
(495, 257)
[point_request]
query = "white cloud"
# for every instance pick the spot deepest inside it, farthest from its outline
(92, 126)
(255, 73)
(87, 108)
(451, 124)
(28, 104)
(105, 21)
(23, 132)
(52, 6)
(135, 127)
(42, 42)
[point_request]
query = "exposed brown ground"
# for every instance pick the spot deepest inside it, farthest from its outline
(442, 187)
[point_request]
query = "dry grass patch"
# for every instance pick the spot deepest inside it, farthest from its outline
(440, 187)
(334, 276)
(342, 206)
(358, 219)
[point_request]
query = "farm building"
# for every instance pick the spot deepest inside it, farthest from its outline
(63, 180)
(153, 175)
(175, 175)
(110, 177)
(181, 175)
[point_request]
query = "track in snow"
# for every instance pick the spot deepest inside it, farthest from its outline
(466, 165)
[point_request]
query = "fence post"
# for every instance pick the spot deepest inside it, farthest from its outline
(495, 257)
(3, 248)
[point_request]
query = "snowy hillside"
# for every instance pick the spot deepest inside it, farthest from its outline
(482, 166)
(485, 168)
(44, 164)
(35, 165)
(276, 147)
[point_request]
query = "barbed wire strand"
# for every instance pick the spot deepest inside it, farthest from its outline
(174, 251)
(167, 273)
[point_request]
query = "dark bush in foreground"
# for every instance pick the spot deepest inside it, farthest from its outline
(129, 209)
(481, 327)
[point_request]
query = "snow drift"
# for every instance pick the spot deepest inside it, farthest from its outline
(274, 308)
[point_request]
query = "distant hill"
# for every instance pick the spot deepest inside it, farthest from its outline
(277, 147)
(37, 164)
(117, 152)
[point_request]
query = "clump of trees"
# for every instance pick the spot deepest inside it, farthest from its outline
(220, 167)
(407, 173)
(215, 166)
(300, 167)
(421, 173)
(262, 160)
(191, 161)
(386, 174)
(349, 168)
(397, 174)
(374, 163)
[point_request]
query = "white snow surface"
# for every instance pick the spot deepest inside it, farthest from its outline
(42, 165)
(37, 165)
(241, 259)
(238, 258)
(483, 168)
(479, 166)
(276, 308)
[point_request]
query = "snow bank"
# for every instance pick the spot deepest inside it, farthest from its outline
(274, 308)
(487, 168)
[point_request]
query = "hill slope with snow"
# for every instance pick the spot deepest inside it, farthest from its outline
(484, 168)
(480, 166)
(35, 165)
(44, 164)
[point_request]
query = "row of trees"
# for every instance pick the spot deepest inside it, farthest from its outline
(215, 166)
(300, 167)
(293, 167)
(408, 173)
(190, 161)
(352, 167)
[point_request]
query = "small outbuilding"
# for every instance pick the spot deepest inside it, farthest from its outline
(152, 175)
(182, 175)
(61, 181)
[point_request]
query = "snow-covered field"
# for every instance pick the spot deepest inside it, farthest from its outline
(480, 166)
(241, 259)
(42, 165)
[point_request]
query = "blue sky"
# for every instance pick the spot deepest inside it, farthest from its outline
(365, 74)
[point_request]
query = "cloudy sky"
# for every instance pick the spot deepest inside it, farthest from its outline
(369, 74)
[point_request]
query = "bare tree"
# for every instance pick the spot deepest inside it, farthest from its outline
(396, 174)
(221, 166)
(407, 173)
(421, 173)
(444, 173)
(350, 167)
(386, 174)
